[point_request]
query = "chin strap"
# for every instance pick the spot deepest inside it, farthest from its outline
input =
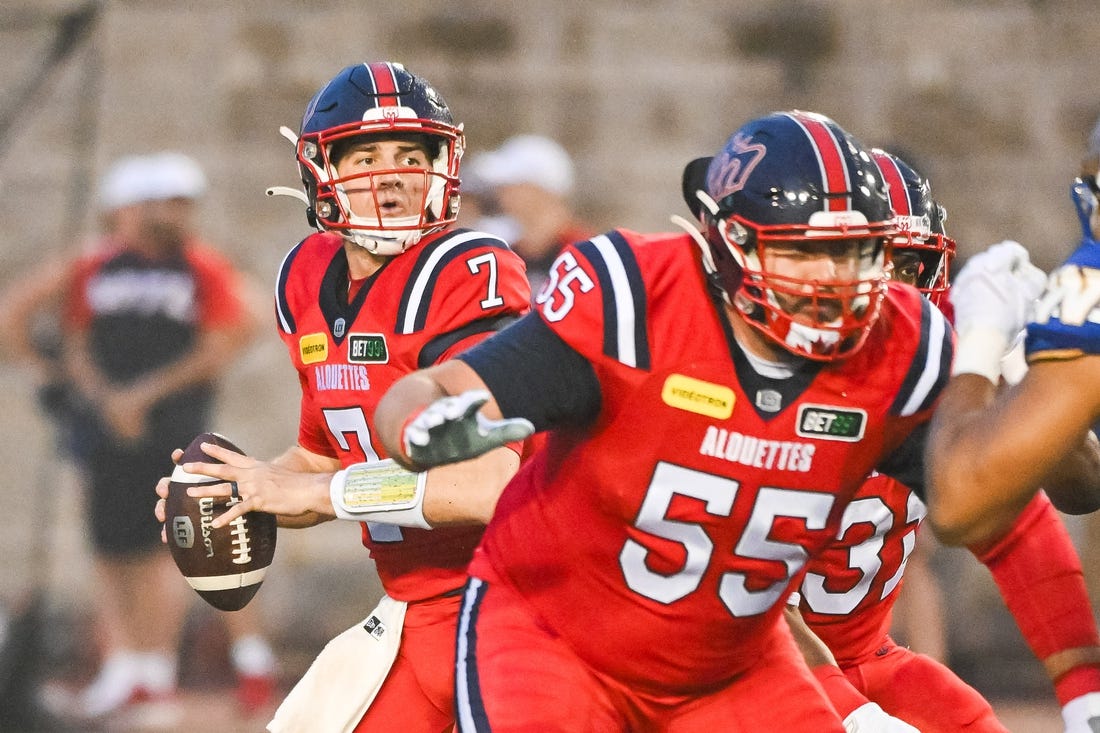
(294, 193)
(289, 135)
(704, 248)
(697, 237)
(692, 229)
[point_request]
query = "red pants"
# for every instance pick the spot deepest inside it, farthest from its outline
(922, 692)
(418, 694)
(515, 676)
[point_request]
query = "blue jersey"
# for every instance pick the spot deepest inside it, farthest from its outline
(1067, 319)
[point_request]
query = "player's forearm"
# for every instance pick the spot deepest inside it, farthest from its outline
(964, 504)
(408, 395)
(467, 492)
(39, 291)
(315, 494)
(80, 368)
(813, 649)
(405, 398)
(1074, 484)
(214, 351)
(297, 458)
(988, 456)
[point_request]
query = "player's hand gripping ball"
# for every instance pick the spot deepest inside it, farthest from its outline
(225, 566)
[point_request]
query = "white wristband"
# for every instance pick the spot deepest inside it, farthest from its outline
(379, 491)
(1014, 364)
(978, 350)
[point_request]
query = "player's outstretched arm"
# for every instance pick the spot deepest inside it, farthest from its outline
(444, 414)
(992, 298)
(988, 454)
(304, 489)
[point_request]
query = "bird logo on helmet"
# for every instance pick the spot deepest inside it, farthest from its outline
(386, 100)
(922, 251)
(794, 181)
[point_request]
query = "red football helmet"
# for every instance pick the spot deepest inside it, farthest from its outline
(787, 186)
(922, 251)
(383, 99)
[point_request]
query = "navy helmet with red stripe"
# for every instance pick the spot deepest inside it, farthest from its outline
(922, 251)
(784, 183)
(386, 100)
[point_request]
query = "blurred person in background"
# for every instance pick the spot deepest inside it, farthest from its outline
(530, 181)
(126, 338)
(481, 210)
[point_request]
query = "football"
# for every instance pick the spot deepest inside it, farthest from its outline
(225, 566)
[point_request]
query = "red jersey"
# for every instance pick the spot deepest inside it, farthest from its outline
(143, 311)
(662, 540)
(452, 290)
(848, 594)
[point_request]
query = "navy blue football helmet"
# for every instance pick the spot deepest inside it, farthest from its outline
(383, 99)
(794, 180)
(922, 251)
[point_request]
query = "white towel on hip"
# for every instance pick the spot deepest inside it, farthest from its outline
(345, 677)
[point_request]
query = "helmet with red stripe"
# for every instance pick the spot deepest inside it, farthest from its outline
(382, 100)
(798, 223)
(922, 251)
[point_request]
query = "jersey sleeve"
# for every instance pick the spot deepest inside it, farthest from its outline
(906, 463)
(219, 289)
(461, 290)
(529, 353)
(76, 313)
(595, 301)
(1067, 317)
(922, 382)
(930, 368)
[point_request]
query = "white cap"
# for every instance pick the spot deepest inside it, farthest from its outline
(156, 177)
(526, 159)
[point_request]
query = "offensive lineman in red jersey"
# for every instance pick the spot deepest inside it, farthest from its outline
(386, 287)
(709, 418)
(848, 594)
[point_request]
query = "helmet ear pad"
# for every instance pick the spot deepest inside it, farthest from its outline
(727, 270)
(693, 180)
(728, 266)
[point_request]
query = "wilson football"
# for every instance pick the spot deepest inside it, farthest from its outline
(225, 566)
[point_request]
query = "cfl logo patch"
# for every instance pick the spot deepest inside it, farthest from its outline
(183, 532)
(1072, 296)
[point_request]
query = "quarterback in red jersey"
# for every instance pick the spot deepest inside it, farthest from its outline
(387, 286)
(713, 401)
(848, 594)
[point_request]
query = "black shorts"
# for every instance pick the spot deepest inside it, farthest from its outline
(121, 496)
